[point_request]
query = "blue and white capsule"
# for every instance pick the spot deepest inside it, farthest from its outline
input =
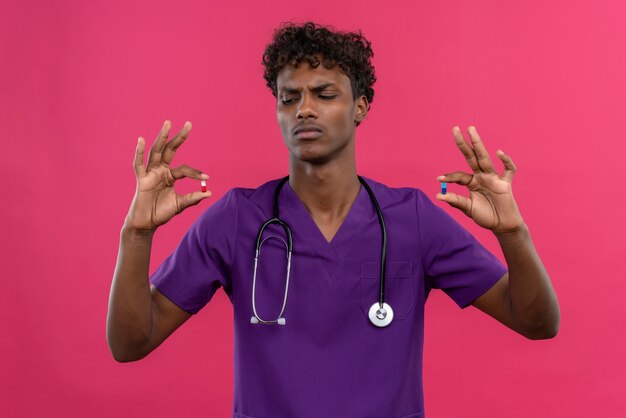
(444, 188)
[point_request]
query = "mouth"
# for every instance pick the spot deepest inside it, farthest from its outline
(307, 131)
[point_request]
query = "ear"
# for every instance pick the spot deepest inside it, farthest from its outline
(360, 110)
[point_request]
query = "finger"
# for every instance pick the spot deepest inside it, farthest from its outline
(481, 152)
(466, 150)
(458, 177)
(456, 201)
(140, 170)
(172, 146)
(509, 166)
(154, 157)
(185, 171)
(191, 199)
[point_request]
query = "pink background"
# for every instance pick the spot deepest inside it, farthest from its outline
(81, 80)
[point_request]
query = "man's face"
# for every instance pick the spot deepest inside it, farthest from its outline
(316, 112)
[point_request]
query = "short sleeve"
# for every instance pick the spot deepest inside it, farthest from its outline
(454, 261)
(201, 263)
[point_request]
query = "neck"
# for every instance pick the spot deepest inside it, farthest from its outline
(326, 190)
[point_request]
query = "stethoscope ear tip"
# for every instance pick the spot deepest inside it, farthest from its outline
(279, 321)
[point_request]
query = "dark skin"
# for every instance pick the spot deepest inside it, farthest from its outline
(140, 317)
(523, 299)
(317, 115)
(322, 167)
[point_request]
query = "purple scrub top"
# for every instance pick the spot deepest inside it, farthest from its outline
(328, 360)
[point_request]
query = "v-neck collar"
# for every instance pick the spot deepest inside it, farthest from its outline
(305, 228)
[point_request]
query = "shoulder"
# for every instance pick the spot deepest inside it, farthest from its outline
(410, 202)
(240, 199)
(256, 195)
(392, 196)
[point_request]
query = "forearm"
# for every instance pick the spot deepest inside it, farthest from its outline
(129, 320)
(533, 302)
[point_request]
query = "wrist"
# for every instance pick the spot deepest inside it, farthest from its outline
(136, 234)
(520, 232)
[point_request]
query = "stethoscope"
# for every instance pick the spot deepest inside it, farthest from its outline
(380, 313)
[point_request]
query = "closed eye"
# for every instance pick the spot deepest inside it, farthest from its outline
(290, 100)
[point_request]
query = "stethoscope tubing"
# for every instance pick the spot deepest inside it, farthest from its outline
(289, 247)
(383, 250)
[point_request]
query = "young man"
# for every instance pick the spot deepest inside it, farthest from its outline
(336, 328)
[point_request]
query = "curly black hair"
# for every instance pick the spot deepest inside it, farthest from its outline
(293, 43)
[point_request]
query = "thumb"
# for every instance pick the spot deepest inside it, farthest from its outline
(191, 199)
(456, 201)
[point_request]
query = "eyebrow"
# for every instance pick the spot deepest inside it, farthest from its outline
(316, 89)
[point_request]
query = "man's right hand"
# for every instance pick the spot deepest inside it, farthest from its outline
(140, 317)
(156, 201)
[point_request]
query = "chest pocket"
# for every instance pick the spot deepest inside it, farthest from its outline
(399, 286)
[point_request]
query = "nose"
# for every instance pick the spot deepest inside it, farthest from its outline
(307, 108)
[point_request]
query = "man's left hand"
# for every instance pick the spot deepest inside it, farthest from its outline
(490, 203)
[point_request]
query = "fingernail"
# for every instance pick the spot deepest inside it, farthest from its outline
(204, 176)
(441, 178)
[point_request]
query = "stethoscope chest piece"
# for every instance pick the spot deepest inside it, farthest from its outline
(381, 317)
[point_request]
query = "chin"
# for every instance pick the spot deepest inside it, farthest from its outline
(316, 153)
(309, 154)
(311, 158)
